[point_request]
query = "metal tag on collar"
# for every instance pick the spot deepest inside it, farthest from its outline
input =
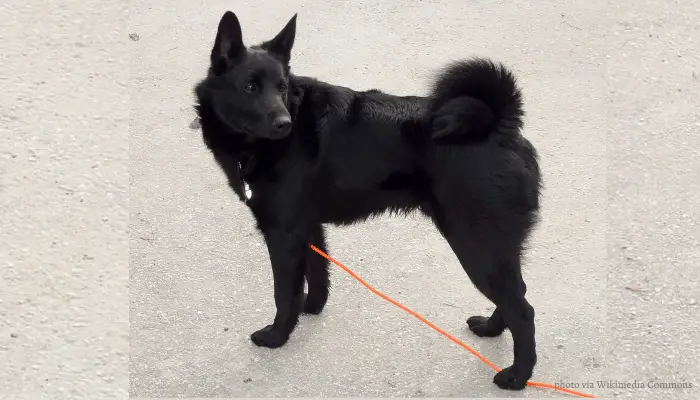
(248, 192)
(246, 188)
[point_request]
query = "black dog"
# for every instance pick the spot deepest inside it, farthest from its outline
(314, 153)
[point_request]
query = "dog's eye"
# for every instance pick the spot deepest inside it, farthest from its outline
(283, 88)
(251, 87)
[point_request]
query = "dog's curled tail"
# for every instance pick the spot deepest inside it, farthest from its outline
(472, 99)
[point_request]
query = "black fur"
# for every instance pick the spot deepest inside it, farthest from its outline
(457, 156)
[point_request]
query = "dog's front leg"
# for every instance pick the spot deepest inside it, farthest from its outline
(286, 248)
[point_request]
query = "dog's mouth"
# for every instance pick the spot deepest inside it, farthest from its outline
(251, 131)
(271, 134)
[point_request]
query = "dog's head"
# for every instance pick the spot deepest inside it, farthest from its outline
(247, 88)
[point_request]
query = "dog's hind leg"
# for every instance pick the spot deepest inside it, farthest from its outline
(492, 262)
(507, 291)
(487, 327)
(317, 278)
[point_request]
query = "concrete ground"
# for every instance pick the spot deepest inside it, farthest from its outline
(611, 90)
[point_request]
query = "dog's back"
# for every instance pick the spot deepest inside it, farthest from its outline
(375, 142)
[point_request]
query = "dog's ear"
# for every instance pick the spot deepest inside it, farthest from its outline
(283, 42)
(228, 44)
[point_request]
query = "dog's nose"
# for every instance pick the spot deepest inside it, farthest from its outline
(282, 124)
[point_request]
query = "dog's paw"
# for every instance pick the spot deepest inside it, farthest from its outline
(269, 337)
(481, 327)
(313, 306)
(510, 379)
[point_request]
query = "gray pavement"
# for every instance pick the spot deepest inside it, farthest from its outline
(612, 92)
(64, 181)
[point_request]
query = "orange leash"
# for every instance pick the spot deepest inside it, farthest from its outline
(447, 335)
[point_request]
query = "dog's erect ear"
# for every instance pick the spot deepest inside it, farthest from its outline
(283, 42)
(229, 39)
